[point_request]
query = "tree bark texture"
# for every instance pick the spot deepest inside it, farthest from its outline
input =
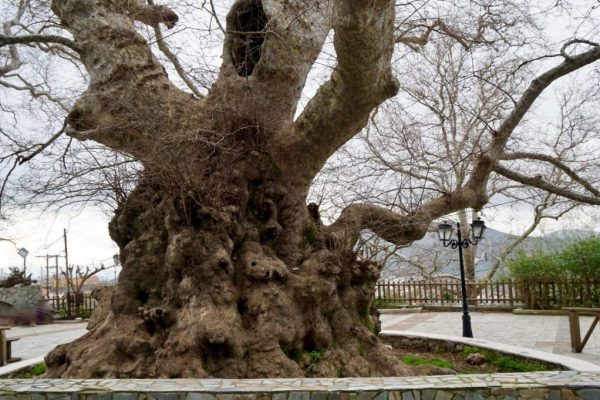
(226, 272)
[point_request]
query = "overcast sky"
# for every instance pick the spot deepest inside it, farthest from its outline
(90, 244)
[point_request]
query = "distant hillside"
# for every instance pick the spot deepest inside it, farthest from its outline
(439, 261)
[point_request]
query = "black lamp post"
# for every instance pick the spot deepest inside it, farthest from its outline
(445, 233)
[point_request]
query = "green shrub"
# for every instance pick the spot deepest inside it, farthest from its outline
(573, 268)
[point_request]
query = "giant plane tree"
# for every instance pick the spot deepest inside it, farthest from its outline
(227, 272)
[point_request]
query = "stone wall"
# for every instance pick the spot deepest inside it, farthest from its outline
(19, 304)
(553, 385)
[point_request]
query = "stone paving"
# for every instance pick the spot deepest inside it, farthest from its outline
(37, 341)
(541, 332)
(553, 385)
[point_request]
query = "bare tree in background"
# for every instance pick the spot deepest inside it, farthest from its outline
(77, 276)
(425, 142)
(226, 271)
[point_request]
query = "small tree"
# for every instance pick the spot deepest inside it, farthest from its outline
(16, 277)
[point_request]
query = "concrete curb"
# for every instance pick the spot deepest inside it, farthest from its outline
(567, 362)
(20, 365)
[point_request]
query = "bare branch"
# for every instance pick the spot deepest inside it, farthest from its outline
(41, 147)
(162, 45)
(557, 163)
(563, 49)
(32, 39)
(538, 182)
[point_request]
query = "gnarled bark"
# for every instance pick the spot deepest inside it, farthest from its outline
(226, 273)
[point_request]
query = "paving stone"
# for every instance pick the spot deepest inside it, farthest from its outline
(166, 396)
(533, 393)
(383, 395)
(408, 396)
(200, 396)
(443, 395)
(554, 395)
(299, 396)
(589, 394)
(474, 396)
(125, 396)
(566, 394)
(428, 394)
(58, 396)
(366, 395)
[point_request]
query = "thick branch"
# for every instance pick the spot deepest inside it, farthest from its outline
(538, 182)
(130, 102)
(29, 39)
(361, 81)
(557, 163)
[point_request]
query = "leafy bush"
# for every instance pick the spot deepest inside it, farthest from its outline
(573, 275)
(16, 277)
(578, 261)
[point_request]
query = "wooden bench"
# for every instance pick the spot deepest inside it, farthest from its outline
(577, 344)
(6, 347)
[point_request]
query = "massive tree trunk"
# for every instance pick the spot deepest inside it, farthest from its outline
(226, 273)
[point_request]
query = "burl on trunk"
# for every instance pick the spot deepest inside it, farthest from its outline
(226, 271)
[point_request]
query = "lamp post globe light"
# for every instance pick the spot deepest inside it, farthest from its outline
(23, 252)
(445, 234)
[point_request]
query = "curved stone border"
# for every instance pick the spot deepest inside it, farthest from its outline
(20, 365)
(554, 385)
(571, 363)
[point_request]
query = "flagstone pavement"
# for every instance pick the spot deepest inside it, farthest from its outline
(547, 333)
(543, 333)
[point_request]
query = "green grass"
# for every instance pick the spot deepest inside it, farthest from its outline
(506, 363)
(31, 372)
(416, 360)
(38, 369)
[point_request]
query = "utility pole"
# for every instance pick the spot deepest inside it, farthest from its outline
(47, 277)
(47, 257)
(67, 273)
(56, 274)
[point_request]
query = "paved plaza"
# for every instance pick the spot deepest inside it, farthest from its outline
(37, 341)
(543, 333)
(540, 332)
